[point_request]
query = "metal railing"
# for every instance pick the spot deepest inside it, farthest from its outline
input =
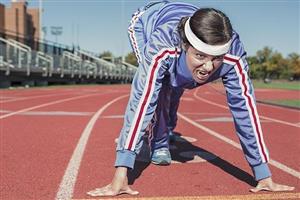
(105, 69)
(45, 62)
(20, 59)
(71, 65)
(130, 70)
(15, 56)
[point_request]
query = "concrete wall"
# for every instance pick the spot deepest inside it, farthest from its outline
(2, 15)
(34, 16)
(15, 18)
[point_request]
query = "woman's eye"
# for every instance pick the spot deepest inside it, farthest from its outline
(200, 56)
(219, 57)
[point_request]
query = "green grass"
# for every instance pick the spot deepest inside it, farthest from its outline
(277, 84)
(293, 85)
(291, 103)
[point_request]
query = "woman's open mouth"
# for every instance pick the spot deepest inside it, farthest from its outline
(202, 75)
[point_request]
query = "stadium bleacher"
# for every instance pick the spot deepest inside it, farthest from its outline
(21, 64)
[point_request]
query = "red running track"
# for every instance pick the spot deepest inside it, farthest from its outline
(58, 143)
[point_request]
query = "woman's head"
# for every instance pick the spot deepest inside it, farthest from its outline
(206, 38)
(210, 25)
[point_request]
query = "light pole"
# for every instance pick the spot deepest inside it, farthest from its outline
(56, 31)
(41, 20)
(41, 36)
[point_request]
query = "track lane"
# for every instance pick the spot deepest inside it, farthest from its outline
(96, 169)
(293, 117)
(275, 163)
(273, 133)
(177, 179)
(29, 92)
(97, 163)
(37, 150)
(275, 196)
(216, 94)
(32, 96)
(39, 103)
(67, 184)
(22, 110)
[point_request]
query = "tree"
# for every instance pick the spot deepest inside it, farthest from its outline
(272, 63)
(106, 55)
(277, 65)
(255, 67)
(264, 57)
(294, 65)
(131, 59)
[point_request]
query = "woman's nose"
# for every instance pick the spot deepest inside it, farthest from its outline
(208, 66)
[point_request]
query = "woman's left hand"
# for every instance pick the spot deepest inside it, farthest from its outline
(267, 184)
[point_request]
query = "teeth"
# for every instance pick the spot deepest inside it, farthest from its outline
(201, 73)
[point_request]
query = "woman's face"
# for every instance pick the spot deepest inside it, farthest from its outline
(202, 65)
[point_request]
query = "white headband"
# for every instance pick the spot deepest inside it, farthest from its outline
(214, 50)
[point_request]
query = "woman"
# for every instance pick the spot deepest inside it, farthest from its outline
(179, 46)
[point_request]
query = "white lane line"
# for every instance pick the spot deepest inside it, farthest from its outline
(278, 107)
(81, 92)
(2, 97)
(32, 97)
(223, 93)
(187, 99)
(20, 98)
(221, 119)
(114, 116)
(280, 121)
(215, 119)
(47, 104)
(273, 196)
(261, 116)
(237, 145)
(66, 188)
(212, 114)
(52, 113)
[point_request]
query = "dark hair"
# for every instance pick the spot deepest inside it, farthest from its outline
(209, 25)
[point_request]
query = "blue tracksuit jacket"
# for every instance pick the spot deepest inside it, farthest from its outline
(157, 45)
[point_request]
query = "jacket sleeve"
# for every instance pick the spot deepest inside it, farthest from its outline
(144, 95)
(241, 101)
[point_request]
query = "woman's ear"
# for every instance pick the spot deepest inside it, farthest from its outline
(185, 46)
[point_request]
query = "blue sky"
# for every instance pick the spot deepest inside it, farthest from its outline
(99, 25)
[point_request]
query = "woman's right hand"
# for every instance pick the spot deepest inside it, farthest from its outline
(119, 185)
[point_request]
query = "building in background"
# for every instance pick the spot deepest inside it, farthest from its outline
(2, 20)
(19, 22)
